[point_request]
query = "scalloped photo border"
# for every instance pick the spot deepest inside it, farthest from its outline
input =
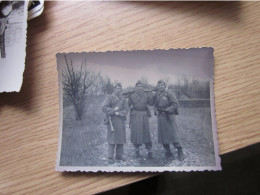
(216, 167)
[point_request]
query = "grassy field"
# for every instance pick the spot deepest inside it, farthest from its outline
(84, 142)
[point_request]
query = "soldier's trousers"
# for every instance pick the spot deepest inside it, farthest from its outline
(148, 146)
(119, 150)
(2, 45)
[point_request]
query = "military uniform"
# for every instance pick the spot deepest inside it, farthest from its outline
(167, 127)
(139, 120)
(5, 11)
(116, 134)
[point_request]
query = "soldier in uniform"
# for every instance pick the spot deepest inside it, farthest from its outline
(139, 121)
(116, 108)
(166, 106)
(5, 10)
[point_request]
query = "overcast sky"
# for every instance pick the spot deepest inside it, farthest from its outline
(129, 66)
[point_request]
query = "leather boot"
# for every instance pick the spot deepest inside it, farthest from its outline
(137, 154)
(120, 158)
(110, 160)
(168, 154)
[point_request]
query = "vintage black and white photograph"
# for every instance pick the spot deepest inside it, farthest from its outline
(13, 25)
(141, 110)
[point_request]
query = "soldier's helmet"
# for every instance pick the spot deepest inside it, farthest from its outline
(161, 82)
(118, 85)
(139, 82)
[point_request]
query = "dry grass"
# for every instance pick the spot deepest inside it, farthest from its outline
(84, 142)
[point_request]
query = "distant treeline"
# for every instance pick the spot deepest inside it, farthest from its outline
(184, 88)
(80, 83)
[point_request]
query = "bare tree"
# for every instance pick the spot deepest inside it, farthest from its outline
(167, 81)
(97, 86)
(77, 84)
(146, 83)
(107, 87)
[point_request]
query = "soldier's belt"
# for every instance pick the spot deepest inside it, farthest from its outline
(118, 116)
(139, 110)
(165, 112)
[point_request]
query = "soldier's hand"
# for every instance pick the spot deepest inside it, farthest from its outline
(149, 114)
(116, 113)
(168, 110)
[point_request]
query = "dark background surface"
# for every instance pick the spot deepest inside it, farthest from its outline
(240, 175)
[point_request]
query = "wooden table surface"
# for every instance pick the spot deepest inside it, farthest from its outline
(29, 119)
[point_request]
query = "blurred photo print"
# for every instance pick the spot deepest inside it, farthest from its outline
(13, 30)
(140, 110)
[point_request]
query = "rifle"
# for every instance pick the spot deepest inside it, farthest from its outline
(128, 93)
(165, 113)
(148, 111)
(111, 124)
(108, 121)
(2, 38)
(175, 111)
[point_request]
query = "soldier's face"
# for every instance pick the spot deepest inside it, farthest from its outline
(161, 87)
(139, 87)
(118, 90)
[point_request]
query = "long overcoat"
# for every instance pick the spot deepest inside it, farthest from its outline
(118, 136)
(167, 127)
(139, 119)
